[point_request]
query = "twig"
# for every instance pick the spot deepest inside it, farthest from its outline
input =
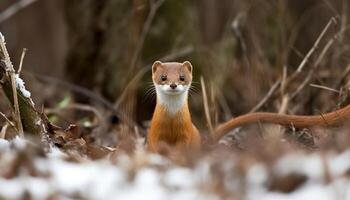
(11, 72)
(14, 8)
(25, 115)
(325, 88)
(15, 104)
(7, 120)
(284, 80)
(206, 107)
(24, 51)
(284, 104)
(266, 97)
(315, 46)
(3, 131)
(311, 72)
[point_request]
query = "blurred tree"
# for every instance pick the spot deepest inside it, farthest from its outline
(109, 41)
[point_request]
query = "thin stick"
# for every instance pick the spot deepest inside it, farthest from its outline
(324, 87)
(206, 107)
(284, 104)
(306, 58)
(24, 51)
(3, 131)
(14, 8)
(10, 70)
(7, 120)
(266, 97)
(315, 46)
(16, 105)
(311, 72)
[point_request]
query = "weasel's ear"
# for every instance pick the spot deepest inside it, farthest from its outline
(156, 65)
(188, 65)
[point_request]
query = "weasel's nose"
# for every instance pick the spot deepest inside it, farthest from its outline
(173, 86)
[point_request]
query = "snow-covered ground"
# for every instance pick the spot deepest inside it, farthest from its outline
(148, 176)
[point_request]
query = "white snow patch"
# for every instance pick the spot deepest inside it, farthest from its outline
(313, 166)
(105, 180)
(4, 145)
(20, 84)
(179, 178)
(19, 143)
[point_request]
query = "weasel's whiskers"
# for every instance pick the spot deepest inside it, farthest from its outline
(150, 94)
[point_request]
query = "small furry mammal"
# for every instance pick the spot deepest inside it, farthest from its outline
(171, 123)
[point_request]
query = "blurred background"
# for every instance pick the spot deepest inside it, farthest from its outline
(242, 49)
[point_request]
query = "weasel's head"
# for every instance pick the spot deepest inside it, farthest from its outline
(172, 81)
(172, 78)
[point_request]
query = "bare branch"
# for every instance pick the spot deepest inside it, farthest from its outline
(11, 73)
(267, 96)
(315, 46)
(324, 88)
(15, 8)
(24, 51)
(206, 107)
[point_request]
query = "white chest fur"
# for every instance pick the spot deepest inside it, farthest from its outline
(173, 103)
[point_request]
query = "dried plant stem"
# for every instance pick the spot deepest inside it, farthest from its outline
(325, 88)
(315, 46)
(14, 8)
(206, 107)
(11, 73)
(24, 51)
(311, 51)
(266, 97)
(3, 131)
(25, 115)
(316, 65)
(7, 120)
(15, 104)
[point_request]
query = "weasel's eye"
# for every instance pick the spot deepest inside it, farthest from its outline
(163, 77)
(182, 78)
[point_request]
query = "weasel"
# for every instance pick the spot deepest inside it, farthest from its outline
(171, 122)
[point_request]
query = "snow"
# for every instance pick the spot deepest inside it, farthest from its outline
(313, 167)
(19, 143)
(98, 179)
(4, 145)
(155, 178)
(339, 189)
(20, 84)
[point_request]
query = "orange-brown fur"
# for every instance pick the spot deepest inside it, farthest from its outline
(175, 130)
(328, 119)
(178, 130)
